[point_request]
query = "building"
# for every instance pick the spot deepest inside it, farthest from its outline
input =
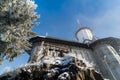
(101, 54)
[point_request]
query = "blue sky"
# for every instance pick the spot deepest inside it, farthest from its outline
(59, 19)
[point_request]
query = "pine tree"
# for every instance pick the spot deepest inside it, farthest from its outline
(17, 18)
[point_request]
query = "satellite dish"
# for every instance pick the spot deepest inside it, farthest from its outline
(84, 35)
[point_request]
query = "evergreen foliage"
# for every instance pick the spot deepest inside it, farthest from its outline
(17, 18)
(73, 70)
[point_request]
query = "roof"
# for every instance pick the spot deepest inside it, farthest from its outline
(57, 40)
(114, 42)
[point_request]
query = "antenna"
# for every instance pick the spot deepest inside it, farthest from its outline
(46, 34)
(78, 22)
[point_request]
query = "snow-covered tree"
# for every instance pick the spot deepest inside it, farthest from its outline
(17, 18)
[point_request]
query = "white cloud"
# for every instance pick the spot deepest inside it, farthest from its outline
(106, 22)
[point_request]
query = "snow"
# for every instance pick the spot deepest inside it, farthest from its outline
(63, 65)
(59, 61)
(64, 76)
